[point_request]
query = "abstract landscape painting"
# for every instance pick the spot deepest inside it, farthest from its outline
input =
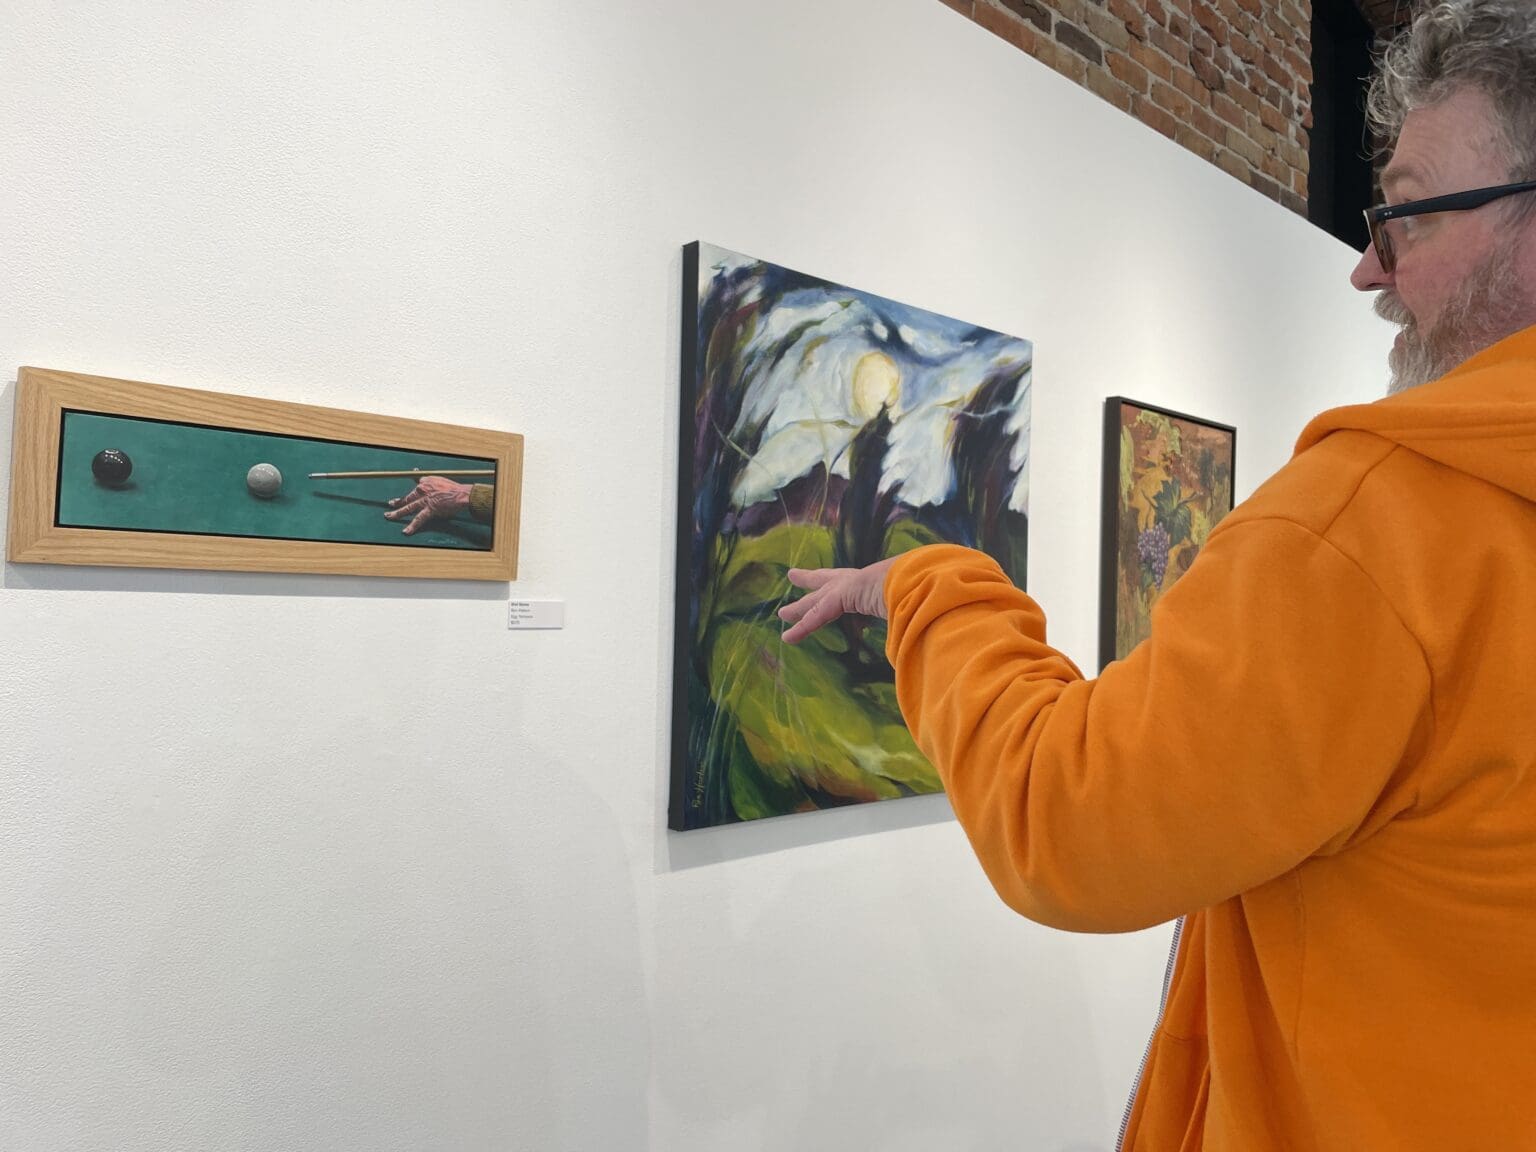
(1167, 483)
(821, 426)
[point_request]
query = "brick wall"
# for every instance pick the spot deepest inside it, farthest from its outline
(1227, 79)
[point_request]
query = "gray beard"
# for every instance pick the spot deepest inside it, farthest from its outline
(1490, 305)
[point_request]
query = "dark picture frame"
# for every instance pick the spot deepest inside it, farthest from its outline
(1155, 519)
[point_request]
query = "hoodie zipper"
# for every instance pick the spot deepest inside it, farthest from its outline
(1130, 1105)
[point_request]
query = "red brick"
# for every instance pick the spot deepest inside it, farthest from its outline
(1105, 28)
(1126, 70)
(1207, 18)
(1200, 145)
(1245, 147)
(1275, 69)
(1232, 164)
(1103, 85)
(1245, 99)
(1071, 36)
(1135, 19)
(1069, 64)
(1009, 27)
(1206, 124)
(1175, 49)
(1034, 11)
(961, 6)
(1154, 117)
(1172, 99)
(1208, 71)
(1191, 85)
(1156, 13)
(1260, 135)
(1264, 184)
(1299, 64)
(1152, 60)
(1226, 109)
(1270, 117)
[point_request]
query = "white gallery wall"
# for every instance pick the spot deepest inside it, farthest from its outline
(298, 862)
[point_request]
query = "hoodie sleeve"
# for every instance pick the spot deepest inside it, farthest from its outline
(1261, 723)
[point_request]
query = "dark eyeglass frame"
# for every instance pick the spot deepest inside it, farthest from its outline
(1377, 217)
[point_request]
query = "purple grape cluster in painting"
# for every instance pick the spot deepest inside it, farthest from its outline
(1152, 549)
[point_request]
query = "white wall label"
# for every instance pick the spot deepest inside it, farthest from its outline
(536, 614)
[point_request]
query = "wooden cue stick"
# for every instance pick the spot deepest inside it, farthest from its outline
(406, 473)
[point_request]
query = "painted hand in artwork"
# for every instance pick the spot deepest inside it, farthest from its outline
(435, 498)
(831, 593)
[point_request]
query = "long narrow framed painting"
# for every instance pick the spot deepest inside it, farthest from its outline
(820, 426)
(120, 472)
(1167, 483)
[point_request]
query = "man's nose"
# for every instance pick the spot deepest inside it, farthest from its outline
(1368, 275)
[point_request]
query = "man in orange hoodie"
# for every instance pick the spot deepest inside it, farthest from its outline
(1323, 761)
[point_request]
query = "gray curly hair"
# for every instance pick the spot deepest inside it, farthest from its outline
(1486, 44)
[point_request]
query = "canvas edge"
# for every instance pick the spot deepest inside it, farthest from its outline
(1109, 518)
(678, 812)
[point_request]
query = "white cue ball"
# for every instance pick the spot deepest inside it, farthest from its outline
(264, 481)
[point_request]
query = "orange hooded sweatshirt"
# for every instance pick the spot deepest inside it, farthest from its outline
(1324, 759)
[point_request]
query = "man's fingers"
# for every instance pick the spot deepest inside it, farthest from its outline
(812, 578)
(795, 609)
(421, 519)
(414, 494)
(822, 611)
(408, 508)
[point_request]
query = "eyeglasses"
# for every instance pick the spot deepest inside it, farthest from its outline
(1376, 218)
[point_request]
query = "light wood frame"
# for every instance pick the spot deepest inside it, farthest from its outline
(34, 537)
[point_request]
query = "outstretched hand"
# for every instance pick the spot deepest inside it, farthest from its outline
(834, 592)
(435, 498)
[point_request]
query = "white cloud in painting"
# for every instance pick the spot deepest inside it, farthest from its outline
(823, 363)
(1021, 425)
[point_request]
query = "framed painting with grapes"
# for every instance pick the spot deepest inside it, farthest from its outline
(1167, 483)
(821, 426)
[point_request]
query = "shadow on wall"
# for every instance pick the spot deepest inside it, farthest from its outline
(704, 846)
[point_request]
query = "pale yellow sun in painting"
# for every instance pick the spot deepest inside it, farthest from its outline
(876, 384)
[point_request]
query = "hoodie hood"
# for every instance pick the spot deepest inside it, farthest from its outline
(1479, 418)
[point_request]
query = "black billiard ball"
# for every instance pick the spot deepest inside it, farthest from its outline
(111, 467)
